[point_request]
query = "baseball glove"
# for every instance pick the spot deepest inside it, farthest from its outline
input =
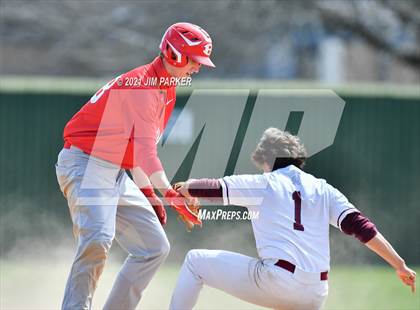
(193, 205)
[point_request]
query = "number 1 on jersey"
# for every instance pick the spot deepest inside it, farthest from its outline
(297, 225)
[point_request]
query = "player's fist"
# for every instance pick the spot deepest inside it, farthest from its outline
(156, 203)
(407, 276)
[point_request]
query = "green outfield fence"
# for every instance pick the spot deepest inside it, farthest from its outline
(374, 159)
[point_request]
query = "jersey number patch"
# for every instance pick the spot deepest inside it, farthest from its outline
(297, 225)
(100, 92)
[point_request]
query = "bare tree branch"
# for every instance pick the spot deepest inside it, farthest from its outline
(407, 11)
(336, 20)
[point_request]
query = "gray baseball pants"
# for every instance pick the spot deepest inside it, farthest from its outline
(105, 204)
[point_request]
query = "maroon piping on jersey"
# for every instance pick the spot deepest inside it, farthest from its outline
(227, 193)
(360, 226)
(343, 212)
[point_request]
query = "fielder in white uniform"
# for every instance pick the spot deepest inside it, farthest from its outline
(291, 233)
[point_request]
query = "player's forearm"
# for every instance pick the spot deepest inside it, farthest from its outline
(146, 156)
(140, 177)
(205, 188)
(209, 189)
(160, 181)
(384, 249)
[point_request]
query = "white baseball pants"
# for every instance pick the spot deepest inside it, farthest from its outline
(105, 203)
(256, 281)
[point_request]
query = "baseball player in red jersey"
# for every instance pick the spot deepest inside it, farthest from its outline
(118, 129)
(291, 233)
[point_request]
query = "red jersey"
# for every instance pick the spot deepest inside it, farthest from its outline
(124, 120)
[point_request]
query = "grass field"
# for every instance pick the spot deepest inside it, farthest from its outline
(40, 284)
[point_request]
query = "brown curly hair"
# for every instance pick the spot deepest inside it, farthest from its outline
(279, 149)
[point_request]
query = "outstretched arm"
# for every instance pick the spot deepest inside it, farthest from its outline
(384, 249)
(244, 190)
(209, 189)
(363, 229)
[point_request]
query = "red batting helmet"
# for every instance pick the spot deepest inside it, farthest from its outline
(183, 40)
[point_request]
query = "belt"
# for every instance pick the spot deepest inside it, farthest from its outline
(291, 268)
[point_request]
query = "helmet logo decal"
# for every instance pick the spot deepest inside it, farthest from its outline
(189, 42)
(207, 49)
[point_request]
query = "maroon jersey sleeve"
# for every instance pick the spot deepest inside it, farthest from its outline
(209, 189)
(360, 226)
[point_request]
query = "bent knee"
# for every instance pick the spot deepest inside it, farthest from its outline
(195, 255)
(195, 259)
(164, 248)
(158, 250)
(95, 250)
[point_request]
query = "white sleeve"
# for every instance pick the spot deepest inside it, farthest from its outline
(243, 190)
(339, 206)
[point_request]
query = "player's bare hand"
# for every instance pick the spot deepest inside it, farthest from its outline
(407, 276)
(182, 188)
